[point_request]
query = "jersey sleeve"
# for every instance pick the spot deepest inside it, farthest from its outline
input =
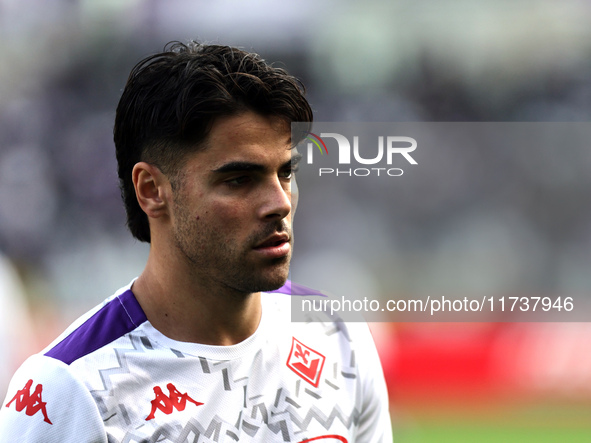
(374, 423)
(47, 403)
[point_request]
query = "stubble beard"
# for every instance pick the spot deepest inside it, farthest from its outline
(220, 261)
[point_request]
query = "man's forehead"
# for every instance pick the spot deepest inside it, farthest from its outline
(247, 138)
(248, 127)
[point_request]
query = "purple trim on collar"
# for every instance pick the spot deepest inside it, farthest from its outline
(296, 289)
(118, 317)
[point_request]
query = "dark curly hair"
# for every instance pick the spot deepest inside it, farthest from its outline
(172, 98)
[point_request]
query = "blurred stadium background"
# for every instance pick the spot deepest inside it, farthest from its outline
(64, 245)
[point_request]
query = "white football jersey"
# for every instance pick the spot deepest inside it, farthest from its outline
(112, 377)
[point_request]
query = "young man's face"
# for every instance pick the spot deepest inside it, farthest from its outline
(233, 208)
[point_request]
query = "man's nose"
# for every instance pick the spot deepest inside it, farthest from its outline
(276, 200)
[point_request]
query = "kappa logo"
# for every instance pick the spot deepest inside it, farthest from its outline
(33, 403)
(305, 362)
(168, 403)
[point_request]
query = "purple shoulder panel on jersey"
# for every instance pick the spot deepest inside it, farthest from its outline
(291, 288)
(118, 317)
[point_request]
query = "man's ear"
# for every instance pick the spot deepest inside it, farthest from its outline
(152, 189)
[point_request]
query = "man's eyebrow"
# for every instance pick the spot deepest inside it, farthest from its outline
(253, 167)
(239, 167)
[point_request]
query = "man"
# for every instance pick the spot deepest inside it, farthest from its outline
(200, 346)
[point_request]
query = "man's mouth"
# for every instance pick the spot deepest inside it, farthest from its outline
(274, 240)
(275, 246)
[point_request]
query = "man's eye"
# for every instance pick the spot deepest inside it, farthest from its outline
(288, 173)
(238, 181)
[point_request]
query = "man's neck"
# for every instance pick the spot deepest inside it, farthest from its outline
(185, 307)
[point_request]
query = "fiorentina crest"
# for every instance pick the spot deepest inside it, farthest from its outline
(305, 362)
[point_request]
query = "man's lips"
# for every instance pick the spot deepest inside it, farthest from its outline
(274, 240)
(278, 245)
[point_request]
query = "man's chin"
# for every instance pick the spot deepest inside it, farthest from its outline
(272, 286)
(273, 282)
(261, 280)
(272, 279)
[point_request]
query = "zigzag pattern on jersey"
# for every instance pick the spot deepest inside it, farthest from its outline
(288, 419)
(193, 432)
(140, 344)
(287, 405)
(225, 368)
(283, 422)
(216, 432)
(281, 418)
